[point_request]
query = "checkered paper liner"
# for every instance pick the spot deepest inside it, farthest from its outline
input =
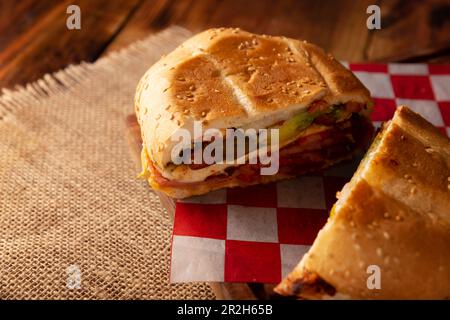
(259, 233)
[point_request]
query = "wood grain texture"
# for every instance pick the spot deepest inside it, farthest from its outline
(337, 26)
(411, 30)
(37, 40)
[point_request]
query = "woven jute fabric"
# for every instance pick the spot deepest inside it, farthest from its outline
(75, 222)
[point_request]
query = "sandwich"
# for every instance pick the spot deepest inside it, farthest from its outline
(388, 235)
(228, 78)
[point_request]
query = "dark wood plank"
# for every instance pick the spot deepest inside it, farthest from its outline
(39, 42)
(338, 26)
(18, 16)
(34, 39)
(411, 31)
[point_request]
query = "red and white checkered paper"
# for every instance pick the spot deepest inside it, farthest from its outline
(259, 233)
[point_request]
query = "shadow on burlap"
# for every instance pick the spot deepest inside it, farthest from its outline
(74, 220)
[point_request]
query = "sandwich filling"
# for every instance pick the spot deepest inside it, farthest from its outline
(309, 141)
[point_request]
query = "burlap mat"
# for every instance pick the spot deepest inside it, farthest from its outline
(69, 197)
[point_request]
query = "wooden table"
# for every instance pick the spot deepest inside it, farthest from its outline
(34, 39)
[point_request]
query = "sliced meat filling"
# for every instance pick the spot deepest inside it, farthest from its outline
(306, 154)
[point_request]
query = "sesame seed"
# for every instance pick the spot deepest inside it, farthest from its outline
(402, 137)
(386, 235)
(145, 110)
(379, 252)
(407, 176)
(215, 90)
(158, 116)
(203, 113)
(186, 111)
(413, 190)
(192, 87)
(414, 164)
(172, 116)
(290, 59)
(352, 224)
(448, 179)
(178, 122)
(429, 149)
(166, 89)
(398, 218)
(306, 92)
(254, 42)
(168, 107)
(181, 79)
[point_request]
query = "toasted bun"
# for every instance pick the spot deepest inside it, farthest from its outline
(232, 78)
(395, 214)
